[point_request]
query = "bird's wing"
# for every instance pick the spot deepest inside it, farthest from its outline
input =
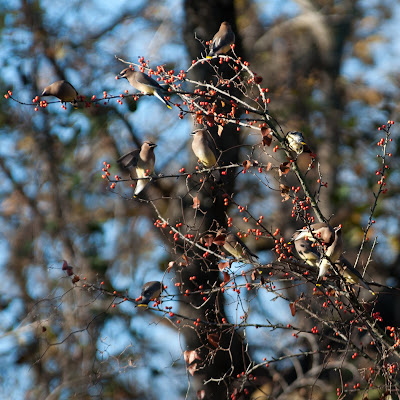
(147, 80)
(130, 159)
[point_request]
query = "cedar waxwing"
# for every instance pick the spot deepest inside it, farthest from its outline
(350, 274)
(62, 90)
(144, 83)
(235, 246)
(329, 238)
(203, 148)
(150, 291)
(140, 163)
(222, 40)
(295, 141)
(307, 251)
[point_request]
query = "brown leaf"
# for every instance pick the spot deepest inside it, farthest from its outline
(196, 202)
(284, 192)
(210, 119)
(266, 136)
(190, 358)
(219, 240)
(227, 277)
(201, 394)
(213, 339)
(246, 165)
(293, 308)
(254, 275)
(268, 167)
(258, 79)
(284, 168)
(170, 265)
(185, 257)
(220, 130)
(76, 279)
(223, 265)
(207, 240)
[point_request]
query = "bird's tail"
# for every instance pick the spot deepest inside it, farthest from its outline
(160, 96)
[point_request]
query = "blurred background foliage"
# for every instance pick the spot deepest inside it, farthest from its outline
(332, 72)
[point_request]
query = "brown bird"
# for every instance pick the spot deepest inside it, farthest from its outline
(350, 274)
(62, 90)
(235, 246)
(140, 163)
(150, 291)
(144, 83)
(320, 234)
(222, 40)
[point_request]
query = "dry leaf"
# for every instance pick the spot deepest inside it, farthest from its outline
(190, 358)
(266, 135)
(207, 240)
(220, 130)
(170, 265)
(223, 265)
(210, 119)
(219, 240)
(196, 203)
(258, 79)
(227, 277)
(268, 167)
(213, 339)
(284, 168)
(201, 394)
(75, 279)
(293, 308)
(284, 192)
(246, 165)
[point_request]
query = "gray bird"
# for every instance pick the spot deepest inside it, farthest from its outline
(320, 234)
(144, 83)
(222, 40)
(140, 163)
(295, 141)
(235, 246)
(62, 90)
(308, 252)
(350, 274)
(203, 148)
(150, 291)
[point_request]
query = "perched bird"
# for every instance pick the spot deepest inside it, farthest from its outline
(307, 251)
(295, 141)
(319, 234)
(144, 83)
(62, 90)
(222, 40)
(150, 291)
(203, 148)
(350, 274)
(235, 246)
(140, 163)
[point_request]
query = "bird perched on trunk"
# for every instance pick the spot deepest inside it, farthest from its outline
(319, 245)
(139, 163)
(204, 149)
(144, 83)
(295, 141)
(62, 90)
(150, 291)
(234, 246)
(222, 40)
(350, 274)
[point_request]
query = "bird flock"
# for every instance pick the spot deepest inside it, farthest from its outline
(318, 245)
